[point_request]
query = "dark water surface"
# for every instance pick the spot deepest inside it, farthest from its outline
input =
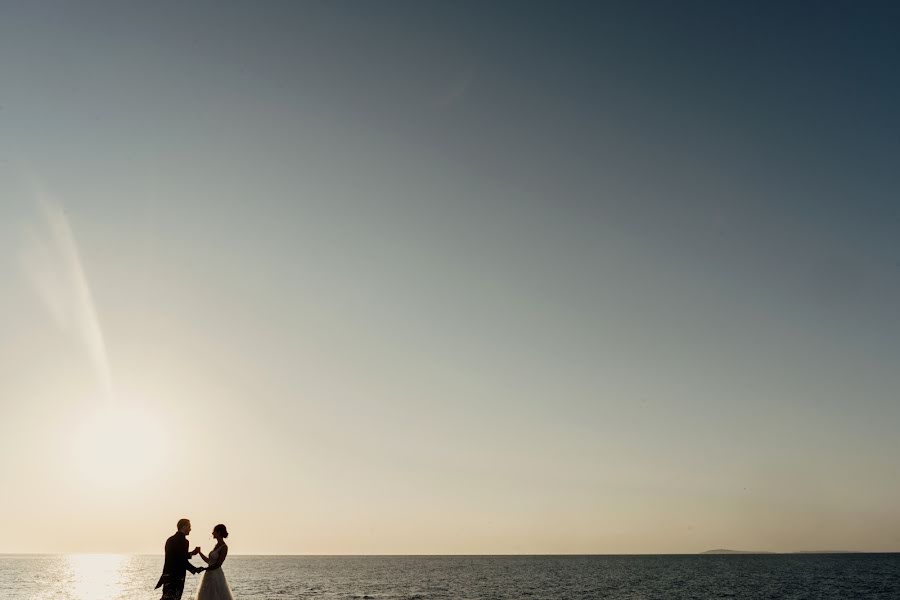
(120, 577)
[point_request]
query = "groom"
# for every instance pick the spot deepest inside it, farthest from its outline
(177, 563)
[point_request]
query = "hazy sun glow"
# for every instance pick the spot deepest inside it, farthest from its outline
(118, 446)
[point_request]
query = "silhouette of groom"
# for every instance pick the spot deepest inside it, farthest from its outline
(177, 563)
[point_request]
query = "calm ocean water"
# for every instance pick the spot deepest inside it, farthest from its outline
(119, 577)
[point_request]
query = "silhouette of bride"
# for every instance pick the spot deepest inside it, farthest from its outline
(213, 585)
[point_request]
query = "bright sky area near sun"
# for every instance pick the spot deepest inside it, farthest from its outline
(450, 277)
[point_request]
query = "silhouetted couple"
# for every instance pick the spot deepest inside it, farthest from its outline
(178, 562)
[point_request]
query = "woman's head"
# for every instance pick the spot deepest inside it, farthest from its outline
(220, 531)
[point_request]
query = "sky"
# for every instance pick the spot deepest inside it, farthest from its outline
(450, 277)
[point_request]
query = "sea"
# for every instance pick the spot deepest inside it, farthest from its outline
(701, 577)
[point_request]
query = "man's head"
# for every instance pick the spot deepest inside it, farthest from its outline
(184, 526)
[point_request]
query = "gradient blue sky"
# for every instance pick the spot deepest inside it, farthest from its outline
(421, 277)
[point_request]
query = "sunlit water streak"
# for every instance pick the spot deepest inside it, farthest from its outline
(117, 577)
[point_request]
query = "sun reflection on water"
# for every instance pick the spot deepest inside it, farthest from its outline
(97, 576)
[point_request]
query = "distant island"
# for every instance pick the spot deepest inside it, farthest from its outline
(727, 551)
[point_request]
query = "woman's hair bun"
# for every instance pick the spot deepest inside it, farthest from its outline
(221, 529)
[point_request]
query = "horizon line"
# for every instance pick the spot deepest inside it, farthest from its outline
(576, 554)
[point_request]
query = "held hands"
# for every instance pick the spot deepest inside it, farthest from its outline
(199, 569)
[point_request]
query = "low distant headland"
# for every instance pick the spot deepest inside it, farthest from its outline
(727, 551)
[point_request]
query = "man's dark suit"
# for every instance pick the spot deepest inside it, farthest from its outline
(176, 565)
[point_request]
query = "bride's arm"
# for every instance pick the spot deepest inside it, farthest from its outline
(205, 559)
(223, 552)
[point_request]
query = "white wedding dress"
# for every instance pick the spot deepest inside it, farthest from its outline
(213, 585)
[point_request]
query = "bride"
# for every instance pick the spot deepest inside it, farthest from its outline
(213, 585)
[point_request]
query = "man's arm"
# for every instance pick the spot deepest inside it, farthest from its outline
(186, 559)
